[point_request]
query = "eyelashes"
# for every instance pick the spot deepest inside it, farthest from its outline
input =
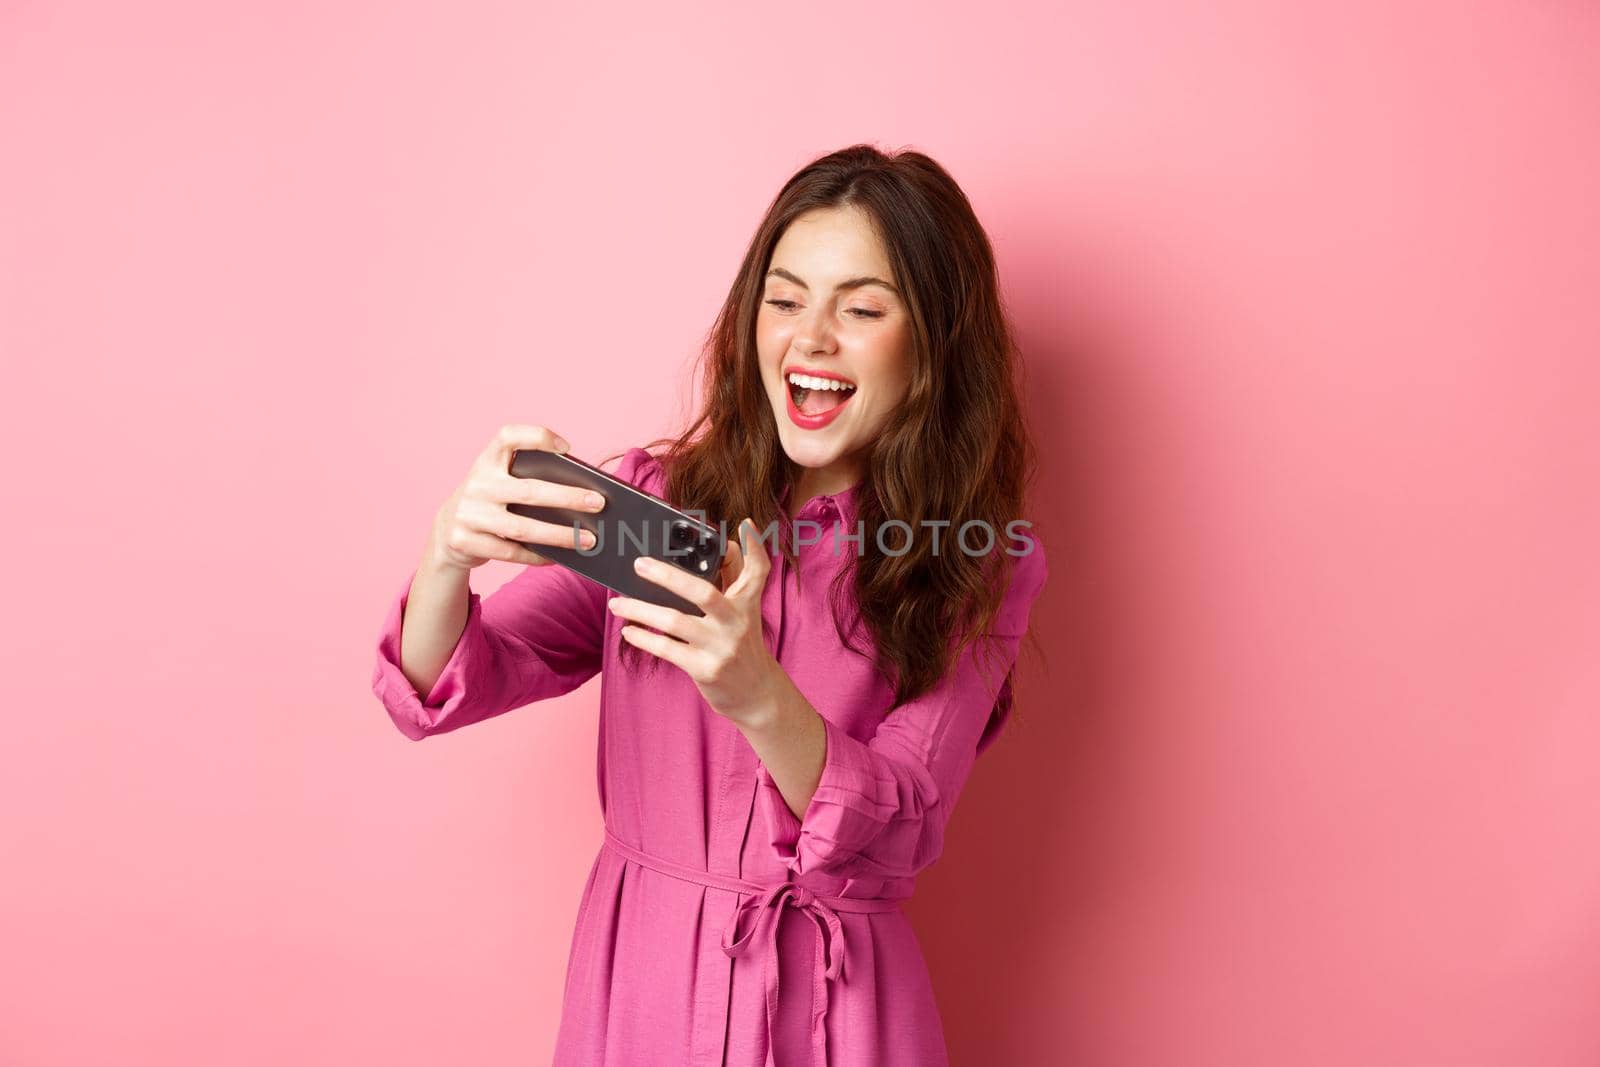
(789, 305)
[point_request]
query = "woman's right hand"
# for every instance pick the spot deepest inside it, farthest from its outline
(474, 525)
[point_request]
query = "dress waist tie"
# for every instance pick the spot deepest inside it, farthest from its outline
(766, 902)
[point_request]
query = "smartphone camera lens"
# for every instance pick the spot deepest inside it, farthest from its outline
(690, 544)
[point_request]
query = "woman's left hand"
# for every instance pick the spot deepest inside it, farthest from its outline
(723, 651)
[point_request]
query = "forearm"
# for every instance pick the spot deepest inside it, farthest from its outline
(789, 739)
(435, 616)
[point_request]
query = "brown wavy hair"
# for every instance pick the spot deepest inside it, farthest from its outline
(956, 449)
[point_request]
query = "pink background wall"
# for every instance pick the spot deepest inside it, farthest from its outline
(1309, 300)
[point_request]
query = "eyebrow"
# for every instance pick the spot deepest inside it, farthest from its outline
(848, 283)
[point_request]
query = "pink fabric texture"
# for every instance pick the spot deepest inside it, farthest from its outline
(716, 927)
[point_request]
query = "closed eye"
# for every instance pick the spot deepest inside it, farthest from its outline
(790, 305)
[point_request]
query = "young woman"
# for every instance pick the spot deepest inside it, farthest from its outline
(775, 773)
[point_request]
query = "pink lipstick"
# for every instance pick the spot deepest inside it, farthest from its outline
(820, 419)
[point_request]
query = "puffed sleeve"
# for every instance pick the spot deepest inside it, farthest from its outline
(881, 805)
(539, 635)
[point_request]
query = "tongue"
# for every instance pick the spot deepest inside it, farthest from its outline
(816, 401)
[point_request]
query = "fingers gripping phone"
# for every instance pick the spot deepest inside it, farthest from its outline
(632, 524)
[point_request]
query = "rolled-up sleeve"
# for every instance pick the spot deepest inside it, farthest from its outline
(539, 635)
(881, 805)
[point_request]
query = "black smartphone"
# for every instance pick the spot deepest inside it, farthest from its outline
(632, 524)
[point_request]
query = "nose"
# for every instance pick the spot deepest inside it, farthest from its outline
(814, 331)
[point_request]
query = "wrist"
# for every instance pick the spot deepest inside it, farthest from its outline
(434, 559)
(435, 565)
(765, 714)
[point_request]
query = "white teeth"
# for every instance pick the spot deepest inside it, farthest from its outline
(807, 381)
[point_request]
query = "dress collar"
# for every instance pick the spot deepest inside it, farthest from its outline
(823, 506)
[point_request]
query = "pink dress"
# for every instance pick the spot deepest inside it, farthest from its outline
(715, 926)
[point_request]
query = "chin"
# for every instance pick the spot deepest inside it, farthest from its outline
(804, 448)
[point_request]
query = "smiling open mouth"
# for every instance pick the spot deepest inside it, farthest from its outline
(813, 395)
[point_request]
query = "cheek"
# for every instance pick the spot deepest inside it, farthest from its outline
(772, 340)
(890, 399)
(893, 365)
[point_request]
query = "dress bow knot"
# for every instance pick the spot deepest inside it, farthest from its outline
(768, 907)
(768, 904)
